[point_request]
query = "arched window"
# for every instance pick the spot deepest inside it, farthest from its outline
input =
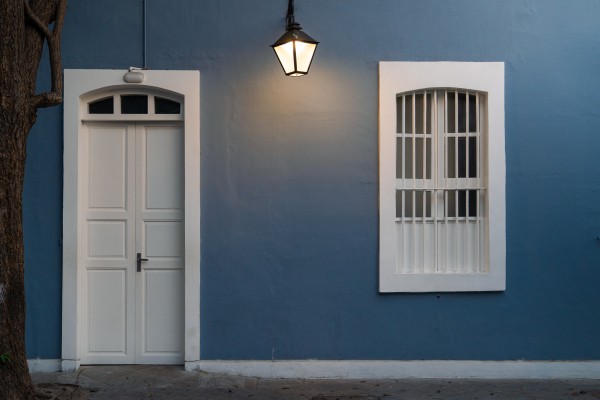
(442, 177)
(440, 190)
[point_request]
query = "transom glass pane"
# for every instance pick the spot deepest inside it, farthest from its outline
(134, 104)
(166, 106)
(102, 106)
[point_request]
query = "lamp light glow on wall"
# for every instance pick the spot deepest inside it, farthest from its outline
(294, 49)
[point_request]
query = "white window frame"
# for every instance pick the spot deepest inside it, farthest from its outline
(400, 77)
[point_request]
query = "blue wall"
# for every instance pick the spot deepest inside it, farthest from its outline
(289, 175)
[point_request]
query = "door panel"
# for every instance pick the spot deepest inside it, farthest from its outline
(159, 214)
(107, 239)
(107, 166)
(163, 239)
(132, 202)
(108, 305)
(163, 172)
(163, 339)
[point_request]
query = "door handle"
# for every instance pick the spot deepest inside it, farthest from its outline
(139, 262)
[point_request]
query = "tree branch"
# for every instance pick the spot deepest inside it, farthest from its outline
(36, 21)
(53, 38)
(46, 100)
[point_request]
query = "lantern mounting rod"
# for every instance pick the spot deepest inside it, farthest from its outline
(290, 16)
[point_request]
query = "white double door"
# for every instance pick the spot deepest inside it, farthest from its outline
(131, 209)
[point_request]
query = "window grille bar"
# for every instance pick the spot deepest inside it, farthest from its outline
(404, 235)
(424, 177)
(456, 226)
(446, 173)
(403, 141)
(414, 179)
(446, 251)
(479, 180)
(434, 176)
(467, 261)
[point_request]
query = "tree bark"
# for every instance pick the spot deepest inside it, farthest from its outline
(22, 36)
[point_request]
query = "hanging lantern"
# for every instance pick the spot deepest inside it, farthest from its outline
(294, 49)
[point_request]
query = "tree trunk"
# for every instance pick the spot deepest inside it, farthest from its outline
(15, 382)
(23, 29)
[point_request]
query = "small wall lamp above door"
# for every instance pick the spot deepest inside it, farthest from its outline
(294, 49)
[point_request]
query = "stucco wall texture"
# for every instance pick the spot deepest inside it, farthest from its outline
(289, 175)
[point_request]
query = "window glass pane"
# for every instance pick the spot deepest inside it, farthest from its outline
(473, 203)
(166, 106)
(420, 199)
(429, 121)
(419, 117)
(462, 203)
(450, 203)
(399, 114)
(421, 153)
(462, 157)
(450, 112)
(419, 158)
(428, 159)
(134, 104)
(408, 158)
(473, 157)
(451, 158)
(408, 106)
(408, 203)
(461, 196)
(399, 158)
(419, 203)
(102, 106)
(457, 203)
(472, 113)
(462, 112)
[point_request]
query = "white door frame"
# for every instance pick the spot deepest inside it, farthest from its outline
(80, 85)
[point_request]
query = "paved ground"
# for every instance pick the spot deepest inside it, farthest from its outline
(160, 382)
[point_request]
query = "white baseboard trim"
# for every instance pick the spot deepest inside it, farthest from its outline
(44, 365)
(442, 369)
(373, 369)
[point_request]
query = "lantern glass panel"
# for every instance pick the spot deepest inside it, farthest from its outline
(304, 55)
(285, 53)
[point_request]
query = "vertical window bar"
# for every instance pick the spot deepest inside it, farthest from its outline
(468, 267)
(479, 179)
(467, 137)
(456, 157)
(424, 116)
(403, 176)
(414, 180)
(424, 223)
(414, 141)
(445, 141)
(414, 238)
(434, 176)
(445, 269)
(403, 181)
(424, 162)
(403, 141)
(403, 227)
(445, 167)
(456, 175)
